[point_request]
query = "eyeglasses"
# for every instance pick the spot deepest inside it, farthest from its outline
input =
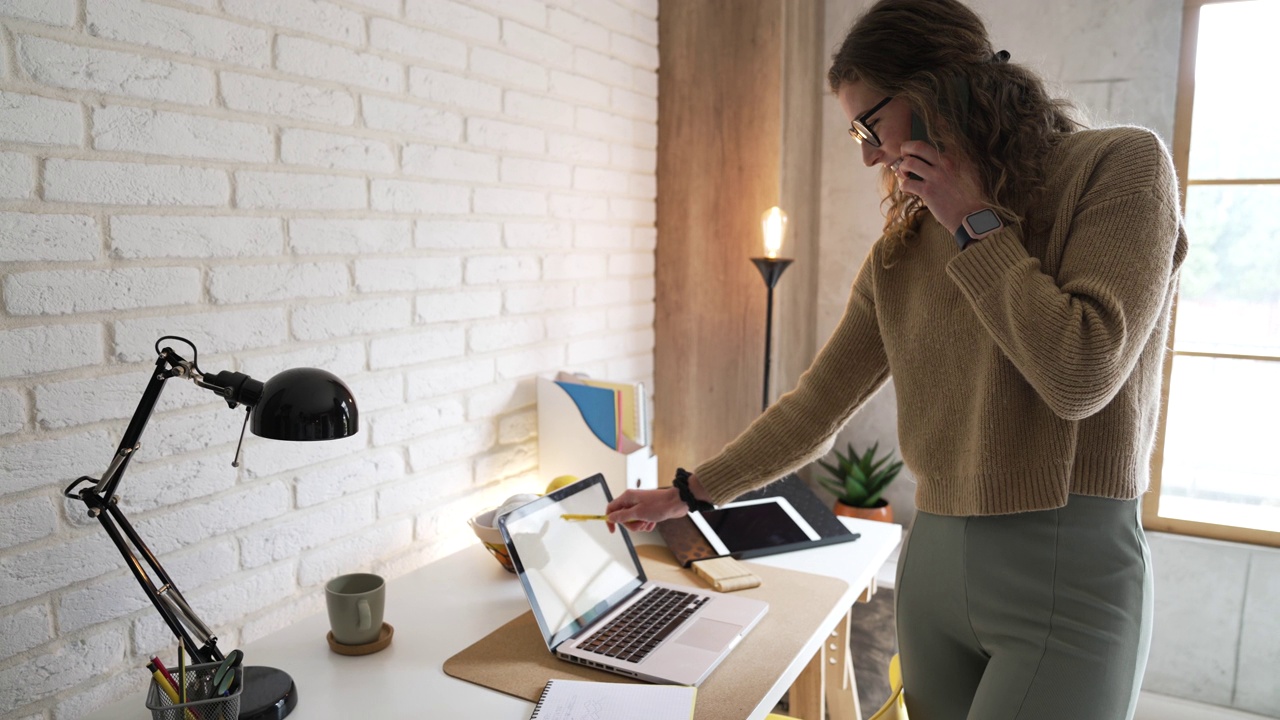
(858, 129)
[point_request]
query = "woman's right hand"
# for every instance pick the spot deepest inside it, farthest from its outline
(642, 510)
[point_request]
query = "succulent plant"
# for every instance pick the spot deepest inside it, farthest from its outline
(860, 480)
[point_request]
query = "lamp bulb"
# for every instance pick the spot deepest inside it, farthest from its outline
(774, 225)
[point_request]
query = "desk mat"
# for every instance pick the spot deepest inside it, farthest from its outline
(514, 659)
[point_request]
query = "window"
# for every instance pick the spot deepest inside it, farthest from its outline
(1217, 464)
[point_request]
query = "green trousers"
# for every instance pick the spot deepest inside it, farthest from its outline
(1042, 615)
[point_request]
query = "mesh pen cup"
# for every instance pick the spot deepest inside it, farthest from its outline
(202, 703)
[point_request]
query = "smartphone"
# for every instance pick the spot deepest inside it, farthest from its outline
(918, 131)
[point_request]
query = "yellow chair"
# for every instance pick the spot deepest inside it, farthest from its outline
(895, 708)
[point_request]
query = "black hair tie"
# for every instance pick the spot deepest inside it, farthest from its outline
(1001, 57)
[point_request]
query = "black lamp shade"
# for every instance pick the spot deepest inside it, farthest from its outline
(305, 404)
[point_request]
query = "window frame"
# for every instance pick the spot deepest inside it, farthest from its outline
(1151, 519)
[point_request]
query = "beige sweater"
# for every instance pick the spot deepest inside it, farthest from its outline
(1026, 367)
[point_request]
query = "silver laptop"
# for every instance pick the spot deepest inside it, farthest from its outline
(595, 606)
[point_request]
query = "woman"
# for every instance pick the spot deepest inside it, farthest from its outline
(1020, 299)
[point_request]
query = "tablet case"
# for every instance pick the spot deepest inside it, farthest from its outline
(688, 545)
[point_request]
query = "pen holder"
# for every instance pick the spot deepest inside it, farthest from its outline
(199, 705)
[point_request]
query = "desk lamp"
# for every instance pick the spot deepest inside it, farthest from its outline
(771, 267)
(297, 404)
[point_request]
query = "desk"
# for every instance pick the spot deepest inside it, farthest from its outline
(444, 607)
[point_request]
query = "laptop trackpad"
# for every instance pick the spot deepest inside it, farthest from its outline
(710, 635)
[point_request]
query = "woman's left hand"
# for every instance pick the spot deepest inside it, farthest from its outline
(948, 187)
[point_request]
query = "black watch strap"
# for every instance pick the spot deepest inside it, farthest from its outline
(962, 237)
(681, 484)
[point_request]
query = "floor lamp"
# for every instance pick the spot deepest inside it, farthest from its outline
(771, 267)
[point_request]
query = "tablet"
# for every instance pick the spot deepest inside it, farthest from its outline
(748, 525)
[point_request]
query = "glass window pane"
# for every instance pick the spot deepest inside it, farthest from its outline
(1233, 121)
(1220, 437)
(1229, 297)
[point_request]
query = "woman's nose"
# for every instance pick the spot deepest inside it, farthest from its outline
(870, 155)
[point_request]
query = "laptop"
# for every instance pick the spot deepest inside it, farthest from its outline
(594, 605)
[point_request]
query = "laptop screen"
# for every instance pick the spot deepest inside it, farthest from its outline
(572, 571)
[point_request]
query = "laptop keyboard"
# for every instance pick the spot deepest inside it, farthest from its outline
(635, 633)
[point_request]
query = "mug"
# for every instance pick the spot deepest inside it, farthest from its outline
(355, 605)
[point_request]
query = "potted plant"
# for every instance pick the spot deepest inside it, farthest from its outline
(859, 482)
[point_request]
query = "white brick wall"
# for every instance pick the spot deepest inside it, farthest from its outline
(434, 199)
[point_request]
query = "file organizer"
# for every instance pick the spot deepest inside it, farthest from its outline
(566, 446)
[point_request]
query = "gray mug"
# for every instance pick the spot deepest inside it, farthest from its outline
(355, 605)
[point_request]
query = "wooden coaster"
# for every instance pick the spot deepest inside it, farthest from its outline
(384, 639)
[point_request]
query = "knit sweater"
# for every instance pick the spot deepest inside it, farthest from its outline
(1026, 367)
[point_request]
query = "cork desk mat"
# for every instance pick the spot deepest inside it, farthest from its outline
(514, 659)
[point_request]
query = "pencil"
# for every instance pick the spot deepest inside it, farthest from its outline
(579, 517)
(182, 671)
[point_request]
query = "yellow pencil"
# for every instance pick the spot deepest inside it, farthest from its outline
(578, 517)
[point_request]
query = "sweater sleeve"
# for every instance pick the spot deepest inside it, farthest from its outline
(801, 425)
(1075, 337)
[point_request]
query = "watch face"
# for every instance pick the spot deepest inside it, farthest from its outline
(984, 221)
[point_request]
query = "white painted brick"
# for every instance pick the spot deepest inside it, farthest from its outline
(613, 291)
(636, 366)
(411, 119)
(443, 235)
(580, 31)
(645, 134)
(323, 61)
(439, 380)
(331, 150)
(334, 480)
(538, 109)
(576, 324)
(505, 334)
(578, 149)
(66, 665)
(377, 392)
(304, 529)
(500, 269)
(509, 69)
(530, 12)
(348, 318)
(407, 274)
(466, 305)
(99, 693)
(518, 428)
(503, 201)
(212, 426)
(447, 163)
(13, 411)
(28, 237)
(264, 458)
(165, 483)
(645, 82)
(528, 363)
(594, 349)
(634, 105)
(268, 96)
(155, 25)
(46, 348)
(39, 120)
(66, 292)
(576, 266)
(452, 445)
(26, 520)
(603, 68)
(500, 135)
(401, 39)
(568, 86)
(405, 196)
(116, 183)
(648, 10)
(500, 398)
(119, 595)
(143, 236)
(17, 179)
(420, 492)
(549, 235)
(412, 421)
(451, 90)
(47, 567)
(314, 17)
(415, 348)
(239, 595)
(539, 298)
(281, 616)
(353, 553)
(50, 62)
(631, 264)
(388, 7)
(610, 182)
(348, 237)
(630, 157)
(608, 237)
(272, 190)
(632, 316)
(643, 289)
(606, 124)
(25, 629)
(453, 17)
(160, 132)
(638, 211)
(527, 42)
(606, 12)
(645, 238)
(637, 52)
(50, 12)
(578, 207)
(506, 462)
(213, 332)
(642, 185)
(341, 359)
(230, 284)
(215, 517)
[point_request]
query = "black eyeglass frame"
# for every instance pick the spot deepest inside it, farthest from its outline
(858, 129)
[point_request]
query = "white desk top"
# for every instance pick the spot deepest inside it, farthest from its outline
(442, 608)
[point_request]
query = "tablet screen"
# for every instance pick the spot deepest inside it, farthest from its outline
(748, 527)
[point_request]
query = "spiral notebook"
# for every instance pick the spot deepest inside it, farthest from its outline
(580, 700)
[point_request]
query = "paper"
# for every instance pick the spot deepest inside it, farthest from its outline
(579, 700)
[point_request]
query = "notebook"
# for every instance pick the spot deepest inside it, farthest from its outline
(594, 605)
(581, 700)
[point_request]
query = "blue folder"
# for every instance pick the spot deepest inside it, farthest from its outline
(598, 410)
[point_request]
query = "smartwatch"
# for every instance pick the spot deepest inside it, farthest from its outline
(976, 226)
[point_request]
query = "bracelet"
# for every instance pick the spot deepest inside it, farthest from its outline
(681, 484)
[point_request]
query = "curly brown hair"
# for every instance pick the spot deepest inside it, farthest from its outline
(925, 52)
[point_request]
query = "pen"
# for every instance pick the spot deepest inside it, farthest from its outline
(165, 681)
(579, 517)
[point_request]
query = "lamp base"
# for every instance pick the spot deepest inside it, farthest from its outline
(269, 694)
